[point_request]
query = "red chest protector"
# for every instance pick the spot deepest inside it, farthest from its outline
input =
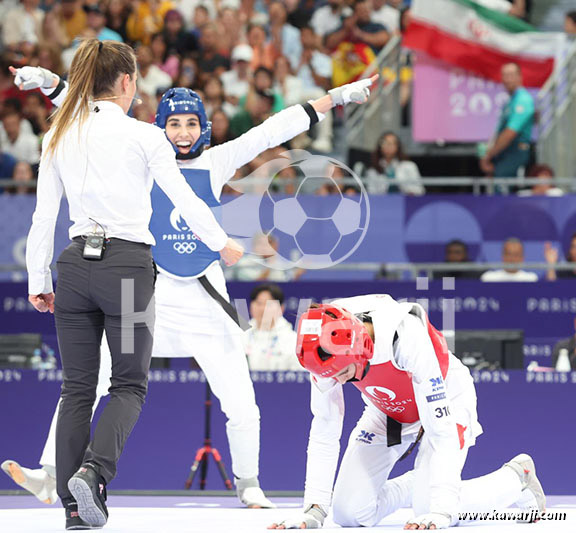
(391, 390)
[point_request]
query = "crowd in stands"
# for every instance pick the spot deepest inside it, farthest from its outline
(247, 58)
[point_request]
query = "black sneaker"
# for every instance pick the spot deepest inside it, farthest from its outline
(73, 520)
(89, 490)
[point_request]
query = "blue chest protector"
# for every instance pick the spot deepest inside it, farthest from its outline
(178, 251)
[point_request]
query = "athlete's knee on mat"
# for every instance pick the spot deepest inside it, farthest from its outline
(354, 509)
(349, 514)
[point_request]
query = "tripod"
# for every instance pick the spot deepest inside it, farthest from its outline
(203, 453)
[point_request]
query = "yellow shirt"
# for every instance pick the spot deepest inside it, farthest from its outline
(74, 25)
(144, 22)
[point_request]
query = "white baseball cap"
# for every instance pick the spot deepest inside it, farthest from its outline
(242, 52)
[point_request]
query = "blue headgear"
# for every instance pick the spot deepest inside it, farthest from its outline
(181, 100)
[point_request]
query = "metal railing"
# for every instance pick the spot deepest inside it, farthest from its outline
(413, 269)
(365, 123)
(556, 103)
(478, 186)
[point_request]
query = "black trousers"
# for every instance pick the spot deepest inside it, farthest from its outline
(115, 295)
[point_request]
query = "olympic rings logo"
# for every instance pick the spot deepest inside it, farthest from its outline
(184, 247)
(395, 409)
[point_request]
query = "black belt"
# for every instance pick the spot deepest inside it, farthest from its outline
(225, 304)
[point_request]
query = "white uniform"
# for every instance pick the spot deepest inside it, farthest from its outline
(190, 323)
(363, 495)
(272, 349)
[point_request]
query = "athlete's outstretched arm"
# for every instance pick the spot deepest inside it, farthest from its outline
(281, 127)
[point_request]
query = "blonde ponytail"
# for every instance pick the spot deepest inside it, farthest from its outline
(93, 73)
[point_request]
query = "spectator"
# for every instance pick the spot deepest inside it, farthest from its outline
(264, 54)
(220, 128)
(117, 12)
(14, 105)
(271, 343)
(166, 61)
(214, 97)
(53, 31)
(211, 61)
(512, 253)
(328, 18)
(50, 58)
(314, 67)
(566, 344)
(231, 25)
(237, 80)
(258, 109)
(359, 29)
(23, 175)
(264, 263)
(22, 24)
(385, 14)
(391, 171)
(545, 188)
(200, 17)
(190, 9)
(551, 256)
(178, 40)
(515, 8)
(570, 23)
(286, 84)
(285, 37)
(146, 19)
(285, 182)
(188, 72)
(263, 81)
(7, 164)
(73, 18)
(23, 146)
(96, 21)
(36, 113)
(457, 252)
(150, 78)
(511, 149)
(333, 182)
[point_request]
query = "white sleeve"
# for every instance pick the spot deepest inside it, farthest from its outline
(409, 178)
(59, 99)
(324, 444)
(415, 354)
(165, 171)
(40, 243)
(279, 128)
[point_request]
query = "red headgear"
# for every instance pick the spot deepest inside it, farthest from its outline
(331, 338)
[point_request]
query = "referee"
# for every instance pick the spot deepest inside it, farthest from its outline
(105, 162)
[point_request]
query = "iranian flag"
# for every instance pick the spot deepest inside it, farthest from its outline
(475, 38)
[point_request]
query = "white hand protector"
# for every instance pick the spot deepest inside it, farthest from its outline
(33, 77)
(312, 518)
(439, 520)
(357, 92)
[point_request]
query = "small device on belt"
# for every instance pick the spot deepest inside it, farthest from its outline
(95, 245)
